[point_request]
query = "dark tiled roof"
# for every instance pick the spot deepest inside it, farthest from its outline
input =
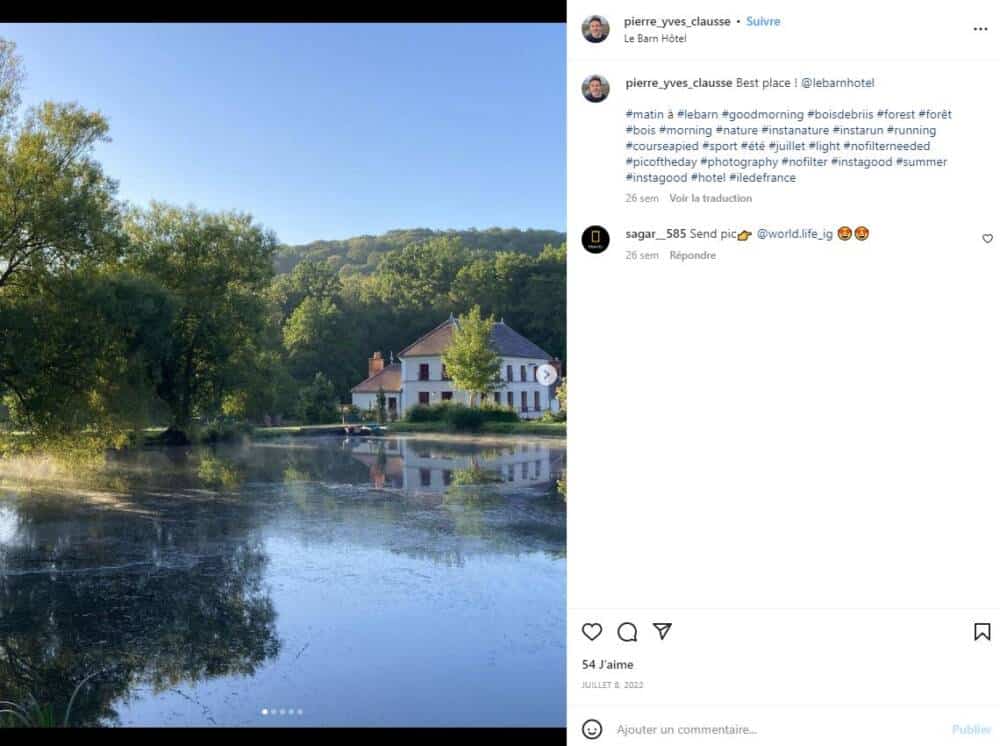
(503, 339)
(508, 342)
(389, 379)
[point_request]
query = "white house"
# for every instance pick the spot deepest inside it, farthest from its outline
(420, 377)
(380, 376)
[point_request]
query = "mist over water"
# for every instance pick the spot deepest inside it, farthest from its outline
(390, 581)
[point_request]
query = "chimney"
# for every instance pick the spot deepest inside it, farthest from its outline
(375, 364)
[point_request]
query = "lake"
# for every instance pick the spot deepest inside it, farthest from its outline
(304, 581)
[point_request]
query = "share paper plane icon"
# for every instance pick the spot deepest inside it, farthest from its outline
(663, 628)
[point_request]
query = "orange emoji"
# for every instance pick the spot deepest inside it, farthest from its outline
(861, 233)
(844, 233)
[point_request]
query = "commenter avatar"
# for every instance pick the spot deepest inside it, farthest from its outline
(595, 29)
(596, 89)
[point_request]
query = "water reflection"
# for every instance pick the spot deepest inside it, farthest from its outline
(432, 467)
(201, 584)
(162, 600)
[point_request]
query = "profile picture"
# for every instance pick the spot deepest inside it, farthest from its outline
(595, 29)
(596, 88)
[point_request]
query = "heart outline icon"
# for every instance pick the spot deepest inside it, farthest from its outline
(592, 628)
(987, 238)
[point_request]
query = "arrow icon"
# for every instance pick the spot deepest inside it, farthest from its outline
(663, 628)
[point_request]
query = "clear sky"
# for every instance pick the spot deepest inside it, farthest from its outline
(322, 131)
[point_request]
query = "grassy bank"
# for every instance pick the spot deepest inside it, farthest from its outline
(264, 433)
(13, 444)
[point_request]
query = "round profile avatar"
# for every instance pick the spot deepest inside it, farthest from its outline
(596, 29)
(595, 88)
(596, 239)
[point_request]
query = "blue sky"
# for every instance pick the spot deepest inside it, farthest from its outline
(322, 130)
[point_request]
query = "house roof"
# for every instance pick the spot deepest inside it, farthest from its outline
(388, 379)
(503, 339)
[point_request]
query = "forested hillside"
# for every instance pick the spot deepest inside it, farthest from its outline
(363, 253)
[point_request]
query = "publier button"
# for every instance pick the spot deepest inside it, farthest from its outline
(981, 631)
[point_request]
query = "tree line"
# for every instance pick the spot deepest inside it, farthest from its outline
(114, 317)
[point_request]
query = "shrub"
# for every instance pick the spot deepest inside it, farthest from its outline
(221, 432)
(460, 416)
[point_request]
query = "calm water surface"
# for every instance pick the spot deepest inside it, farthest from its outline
(382, 581)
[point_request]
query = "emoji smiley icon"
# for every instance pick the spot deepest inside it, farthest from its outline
(592, 729)
(861, 233)
(844, 233)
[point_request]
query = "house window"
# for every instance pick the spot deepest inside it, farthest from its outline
(447, 477)
(538, 469)
(444, 373)
(510, 472)
(496, 397)
(392, 403)
(524, 373)
(424, 397)
(445, 396)
(510, 399)
(425, 477)
(425, 371)
(538, 401)
(524, 470)
(524, 401)
(510, 372)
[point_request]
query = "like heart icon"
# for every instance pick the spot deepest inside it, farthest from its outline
(592, 630)
(987, 237)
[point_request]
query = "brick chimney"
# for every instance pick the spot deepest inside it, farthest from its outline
(375, 363)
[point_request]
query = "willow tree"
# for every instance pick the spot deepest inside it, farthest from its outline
(216, 267)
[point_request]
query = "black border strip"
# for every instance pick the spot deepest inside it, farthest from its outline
(515, 11)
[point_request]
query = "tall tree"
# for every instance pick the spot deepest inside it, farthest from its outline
(217, 267)
(318, 338)
(57, 208)
(471, 361)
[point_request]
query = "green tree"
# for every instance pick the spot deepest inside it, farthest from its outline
(87, 357)
(57, 208)
(380, 405)
(318, 402)
(470, 359)
(217, 267)
(58, 218)
(318, 337)
(309, 279)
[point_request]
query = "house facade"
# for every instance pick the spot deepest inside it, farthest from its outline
(380, 376)
(423, 378)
